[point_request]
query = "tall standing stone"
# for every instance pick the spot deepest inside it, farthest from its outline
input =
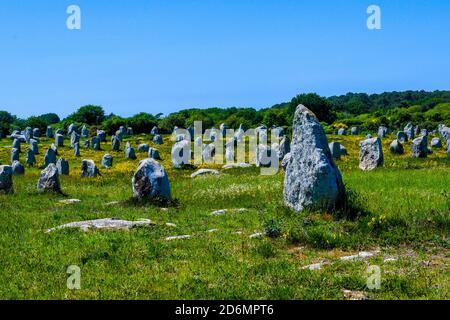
(115, 144)
(63, 167)
(409, 130)
(312, 179)
(49, 132)
(89, 169)
(6, 181)
(419, 147)
(18, 168)
(370, 154)
(74, 138)
(36, 132)
(76, 149)
(30, 158)
(59, 140)
(396, 147)
(95, 143)
(14, 155)
(84, 132)
(28, 134)
(16, 144)
(154, 154)
(50, 157)
(34, 146)
(49, 180)
(157, 139)
(107, 161)
(151, 181)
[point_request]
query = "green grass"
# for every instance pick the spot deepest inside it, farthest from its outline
(405, 212)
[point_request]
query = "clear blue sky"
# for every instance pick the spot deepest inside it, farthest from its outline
(163, 56)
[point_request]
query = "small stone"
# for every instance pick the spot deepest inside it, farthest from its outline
(6, 181)
(18, 168)
(204, 171)
(177, 237)
(157, 139)
(89, 169)
(107, 161)
(419, 147)
(104, 224)
(396, 147)
(70, 201)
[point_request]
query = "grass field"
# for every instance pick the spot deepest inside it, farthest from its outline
(405, 218)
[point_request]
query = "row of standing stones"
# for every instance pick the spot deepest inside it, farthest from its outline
(312, 178)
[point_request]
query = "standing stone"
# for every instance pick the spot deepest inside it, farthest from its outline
(263, 156)
(157, 139)
(343, 150)
(209, 152)
(154, 154)
(59, 131)
(34, 146)
(50, 157)
(312, 179)
(370, 154)
(402, 137)
(115, 145)
(419, 147)
(87, 144)
(285, 147)
(382, 131)
(49, 180)
(76, 149)
(89, 169)
(335, 149)
(6, 181)
(107, 161)
(36, 132)
(354, 131)
(129, 152)
(54, 148)
(84, 132)
(28, 134)
(143, 147)
(14, 155)
(63, 167)
(341, 132)
(95, 143)
(423, 132)
(154, 131)
(409, 130)
(101, 135)
(198, 141)
(72, 128)
(151, 181)
(30, 158)
(229, 152)
(130, 131)
(18, 168)
(49, 132)
(16, 144)
(436, 143)
(119, 135)
(286, 160)
(59, 140)
(396, 147)
(181, 153)
(74, 138)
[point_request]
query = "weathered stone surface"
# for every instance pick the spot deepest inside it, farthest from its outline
(382, 131)
(335, 149)
(370, 154)
(6, 181)
(101, 135)
(354, 131)
(30, 158)
(34, 146)
(419, 147)
(312, 179)
(84, 132)
(402, 137)
(63, 167)
(341, 132)
(16, 144)
(18, 168)
(423, 132)
(344, 151)
(107, 161)
(204, 171)
(237, 165)
(28, 134)
(36, 132)
(409, 130)
(96, 143)
(49, 180)
(155, 130)
(286, 160)
(59, 140)
(436, 143)
(129, 153)
(285, 147)
(130, 131)
(263, 156)
(76, 149)
(143, 147)
(209, 152)
(103, 224)
(74, 138)
(181, 153)
(157, 139)
(150, 180)
(396, 147)
(119, 135)
(115, 144)
(89, 169)
(72, 128)
(50, 157)
(154, 154)
(14, 155)
(49, 132)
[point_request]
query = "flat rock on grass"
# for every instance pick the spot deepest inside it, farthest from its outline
(223, 211)
(186, 236)
(104, 224)
(205, 171)
(70, 201)
(237, 165)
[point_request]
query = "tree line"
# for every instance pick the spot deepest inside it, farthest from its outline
(392, 109)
